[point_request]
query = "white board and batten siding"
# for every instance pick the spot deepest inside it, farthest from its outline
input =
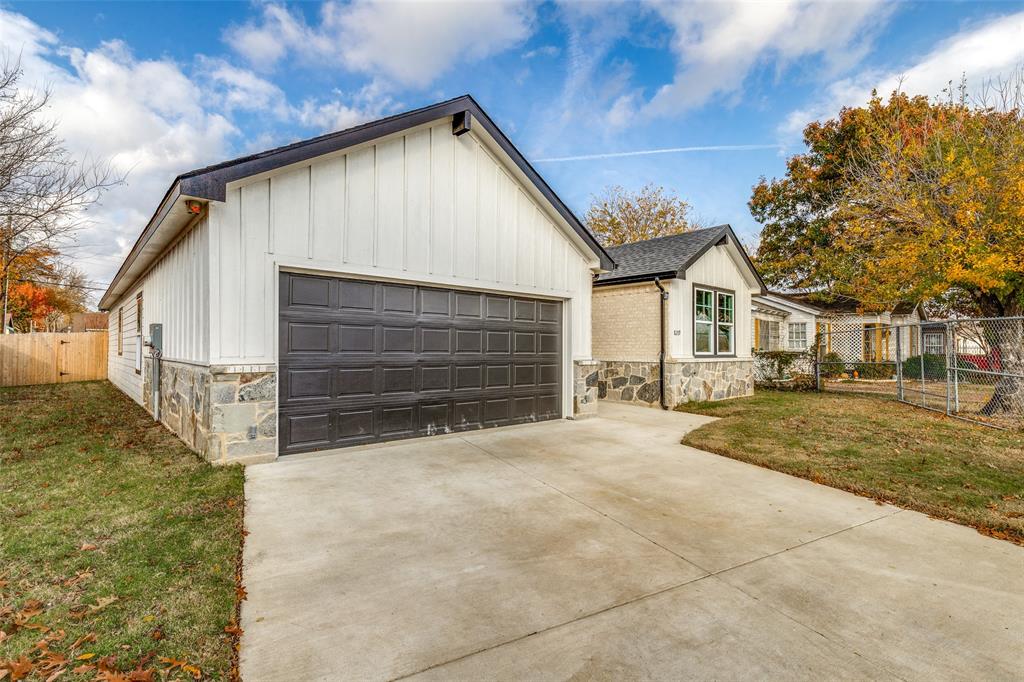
(175, 292)
(421, 206)
(716, 268)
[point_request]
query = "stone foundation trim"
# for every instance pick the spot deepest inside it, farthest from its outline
(585, 374)
(227, 417)
(637, 382)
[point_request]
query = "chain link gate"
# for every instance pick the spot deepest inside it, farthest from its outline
(971, 369)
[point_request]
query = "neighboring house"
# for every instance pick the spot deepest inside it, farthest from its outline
(688, 339)
(783, 323)
(406, 277)
(792, 321)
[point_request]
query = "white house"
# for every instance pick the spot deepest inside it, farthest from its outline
(847, 330)
(409, 276)
(671, 322)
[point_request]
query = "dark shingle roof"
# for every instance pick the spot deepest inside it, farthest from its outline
(661, 256)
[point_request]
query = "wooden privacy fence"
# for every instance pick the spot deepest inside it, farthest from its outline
(48, 358)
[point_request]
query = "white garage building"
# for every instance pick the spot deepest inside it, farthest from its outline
(410, 276)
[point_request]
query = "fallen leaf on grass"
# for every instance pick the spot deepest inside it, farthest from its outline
(91, 637)
(18, 669)
(184, 666)
(82, 610)
(233, 629)
(88, 547)
(85, 657)
(157, 634)
(81, 576)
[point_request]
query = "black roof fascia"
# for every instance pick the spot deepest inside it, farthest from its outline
(630, 279)
(211, 182)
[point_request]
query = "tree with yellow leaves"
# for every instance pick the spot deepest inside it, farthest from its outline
(619, 216)
(911, 199)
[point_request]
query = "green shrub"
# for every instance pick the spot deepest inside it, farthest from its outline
(868, 370)
(832, 365)
(776, 365)
(934, 367)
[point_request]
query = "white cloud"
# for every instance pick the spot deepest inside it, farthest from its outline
(980, 52)
(342, 112)
(153, 120)
(143, 115)
(717, 44)
(543, 51)
(411, 43)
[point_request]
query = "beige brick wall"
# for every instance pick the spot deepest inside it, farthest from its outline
(625, 322)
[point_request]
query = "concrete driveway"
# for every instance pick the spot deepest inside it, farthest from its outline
(603, 549)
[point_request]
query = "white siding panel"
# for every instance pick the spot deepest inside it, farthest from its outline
(390, 204)
(417, 201)
(327, 190)
(360, 221)
(229, 273)
(542, 251)
(256, 211)
(526, 219)
(487, 208)
(466, 198)
(289, 206)
(442, 201)
(506, 226)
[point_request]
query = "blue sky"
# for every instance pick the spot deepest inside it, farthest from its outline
(161, 88)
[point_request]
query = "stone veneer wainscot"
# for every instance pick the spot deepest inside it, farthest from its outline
(225, 415)
(638, 382)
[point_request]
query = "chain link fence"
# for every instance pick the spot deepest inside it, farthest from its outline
(972, 369)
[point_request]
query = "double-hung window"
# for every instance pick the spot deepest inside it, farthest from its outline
(714, 322)
(933, 344)
(797, 335)
(703, 322)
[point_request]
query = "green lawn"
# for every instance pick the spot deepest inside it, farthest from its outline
(878, 448)
(119, 546)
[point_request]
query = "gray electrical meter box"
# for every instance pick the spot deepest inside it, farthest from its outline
(156, 336)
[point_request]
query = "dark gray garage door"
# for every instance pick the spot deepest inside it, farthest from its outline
(369, 361)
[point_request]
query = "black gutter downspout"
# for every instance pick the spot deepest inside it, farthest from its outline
(661, 354)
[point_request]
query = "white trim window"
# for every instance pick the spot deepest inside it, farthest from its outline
(726, 323)
(703, 322)
(714, 322)
(933, 344)
(797, 336)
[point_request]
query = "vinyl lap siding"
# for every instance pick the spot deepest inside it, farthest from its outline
(121, 368)
(424, 206)
(175, 292)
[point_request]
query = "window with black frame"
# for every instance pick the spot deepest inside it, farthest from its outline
(714, 322)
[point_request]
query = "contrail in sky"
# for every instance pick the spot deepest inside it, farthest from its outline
(668, 150)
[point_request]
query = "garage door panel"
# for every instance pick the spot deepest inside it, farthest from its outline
(398, 299)
(353, 338)
(307, 384)
(364, 362)
(399, 379)
(356, 296)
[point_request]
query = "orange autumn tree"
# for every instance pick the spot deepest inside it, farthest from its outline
(911, 199)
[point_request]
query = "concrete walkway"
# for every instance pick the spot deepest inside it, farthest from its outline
(603, 549)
